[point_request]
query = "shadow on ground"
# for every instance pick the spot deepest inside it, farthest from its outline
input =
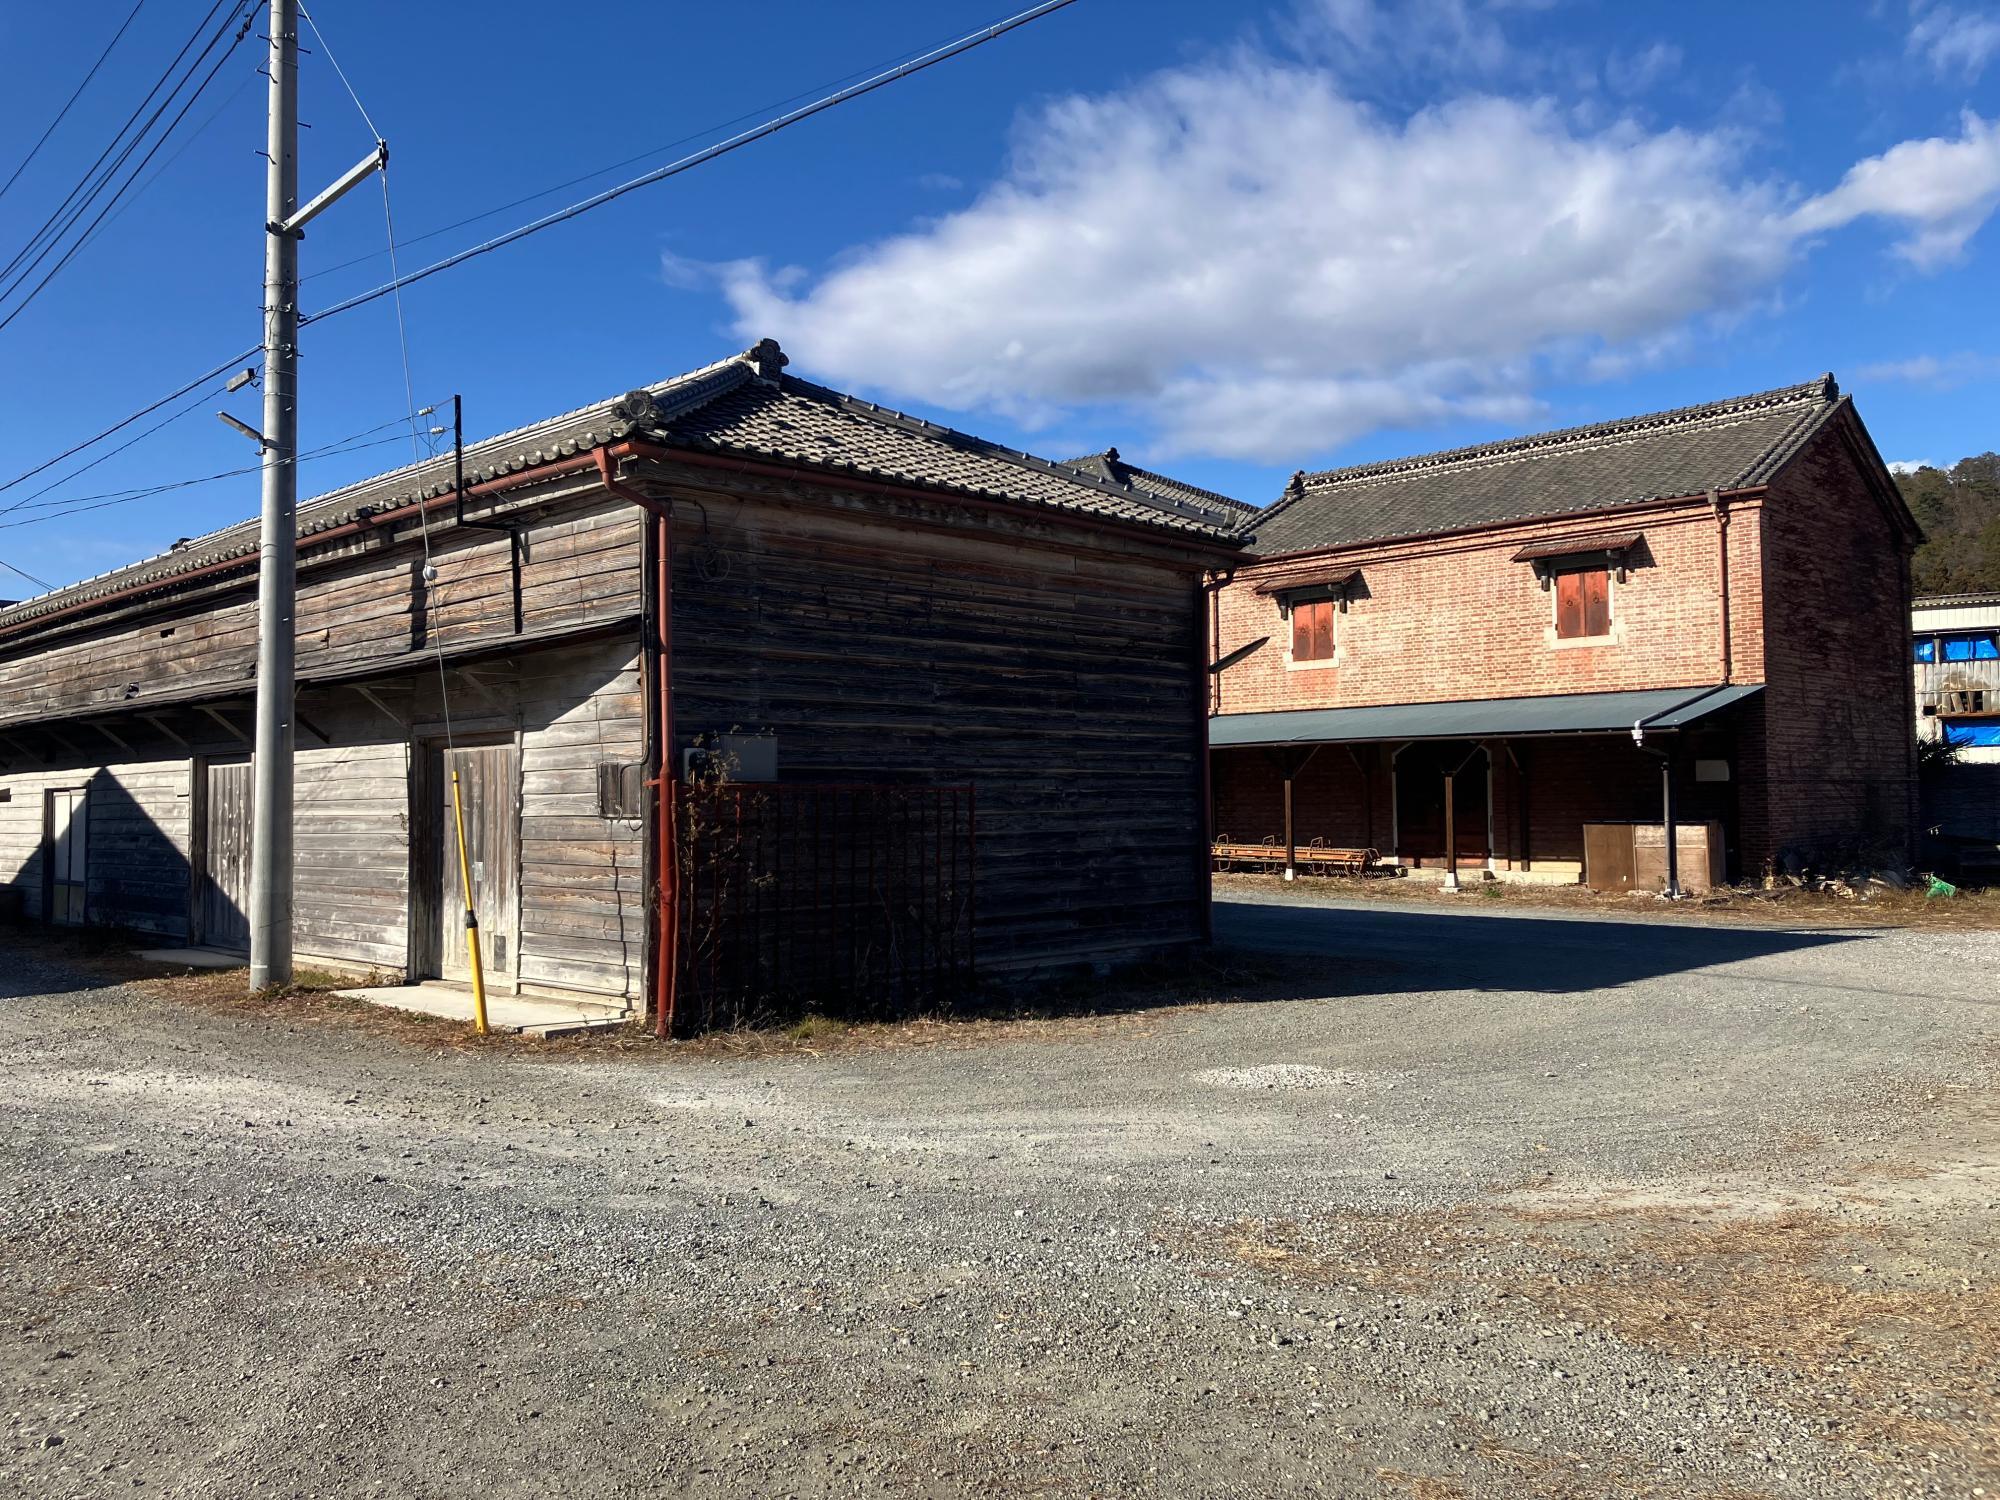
(1396, 950)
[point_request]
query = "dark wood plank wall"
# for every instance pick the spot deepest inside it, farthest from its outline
(1055, 677)
(578, 562)
(1052, 669)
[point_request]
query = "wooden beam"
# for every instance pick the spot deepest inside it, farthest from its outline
(380, 707)
(234, 733)
(165, 728)
(106, 731)
(26, 750)
(310, 728)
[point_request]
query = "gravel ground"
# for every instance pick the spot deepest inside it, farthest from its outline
(1467, 1204)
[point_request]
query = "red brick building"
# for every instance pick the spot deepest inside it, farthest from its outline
(1706, 607)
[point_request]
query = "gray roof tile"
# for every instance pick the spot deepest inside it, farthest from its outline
(1723, 445)
(743, 405)
(1205, 504)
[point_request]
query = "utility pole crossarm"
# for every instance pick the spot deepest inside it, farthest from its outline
(376, 161)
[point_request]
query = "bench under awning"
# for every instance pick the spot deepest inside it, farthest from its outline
(1643, 711)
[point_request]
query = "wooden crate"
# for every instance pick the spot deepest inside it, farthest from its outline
(1701, 852)
(1607, 856)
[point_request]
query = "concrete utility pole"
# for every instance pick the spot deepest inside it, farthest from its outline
(271, 858)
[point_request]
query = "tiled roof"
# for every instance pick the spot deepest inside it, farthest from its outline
(1723, 445)
(1206, 504)
(743, 405)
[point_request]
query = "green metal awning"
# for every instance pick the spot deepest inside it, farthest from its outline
(1638, 713)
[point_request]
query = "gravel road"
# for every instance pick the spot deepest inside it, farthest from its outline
(1467, 1204)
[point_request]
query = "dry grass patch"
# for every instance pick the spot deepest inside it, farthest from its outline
(1381, 1251)
(1790, 906)
(1133, 1001)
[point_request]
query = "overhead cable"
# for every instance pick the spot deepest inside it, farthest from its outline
(706, 154)
(63, 113)
(126, 185)
(92, 180)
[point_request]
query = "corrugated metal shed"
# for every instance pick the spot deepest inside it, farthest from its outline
(1481, 718)
(1955, 612)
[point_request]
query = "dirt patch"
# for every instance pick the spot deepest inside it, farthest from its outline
(1884, 1337)
(1071, 1011)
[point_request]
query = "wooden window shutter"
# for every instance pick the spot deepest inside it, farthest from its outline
(1597, 601)
(1569, 605)
(1312, 631)
(1583, 603)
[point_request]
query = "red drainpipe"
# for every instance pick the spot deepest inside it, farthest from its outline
(1721, 508)
(666, 961)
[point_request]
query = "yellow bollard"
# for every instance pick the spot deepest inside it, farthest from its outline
(471, 917)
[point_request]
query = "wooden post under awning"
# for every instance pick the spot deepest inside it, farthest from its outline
(1450, 831)
(1291, 769)
(1291, 840)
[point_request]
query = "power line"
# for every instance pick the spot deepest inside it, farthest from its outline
(75, 505)
(11, 568)
(91, 174)
(243, 360)
(63, 113)
(570, 182)
(340, 73)
(875, 81)
(707, 154)
(26, 502)
(125, 186)
(161, 170)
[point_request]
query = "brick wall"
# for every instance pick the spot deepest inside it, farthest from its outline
(1839, 707)
(1455, 618)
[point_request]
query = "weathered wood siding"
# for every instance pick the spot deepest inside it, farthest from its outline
(1050, 669)
(352, 841)
(138, 852)
(581, 878)
(578, 562)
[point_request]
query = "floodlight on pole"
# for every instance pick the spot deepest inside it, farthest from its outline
(246, 429)
(237, 382)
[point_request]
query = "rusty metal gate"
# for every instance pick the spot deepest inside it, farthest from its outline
(846, 900)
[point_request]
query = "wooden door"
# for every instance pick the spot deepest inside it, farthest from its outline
(66, 854)
(489, 783)
(222, 903)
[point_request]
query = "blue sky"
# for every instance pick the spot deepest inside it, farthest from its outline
(1232, 240)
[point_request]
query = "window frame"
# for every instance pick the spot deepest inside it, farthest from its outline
(1555, 575)
(1315, 600)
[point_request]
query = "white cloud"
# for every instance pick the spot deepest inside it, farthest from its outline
(1271, 267)
(1942, 372)
(1428, 36)
(1939, 190)
(1956, 43)
(1634, 73)
(1244, 258)
(1909, 465)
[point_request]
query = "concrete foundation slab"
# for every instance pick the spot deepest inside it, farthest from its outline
(195, 958)
(533, 1015)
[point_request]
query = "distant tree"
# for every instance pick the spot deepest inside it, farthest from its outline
(1959, 509)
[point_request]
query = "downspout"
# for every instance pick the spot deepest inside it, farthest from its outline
(666, 959)
(1206, 587)
(1721, 510)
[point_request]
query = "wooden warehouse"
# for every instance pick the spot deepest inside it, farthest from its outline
(924, 703)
